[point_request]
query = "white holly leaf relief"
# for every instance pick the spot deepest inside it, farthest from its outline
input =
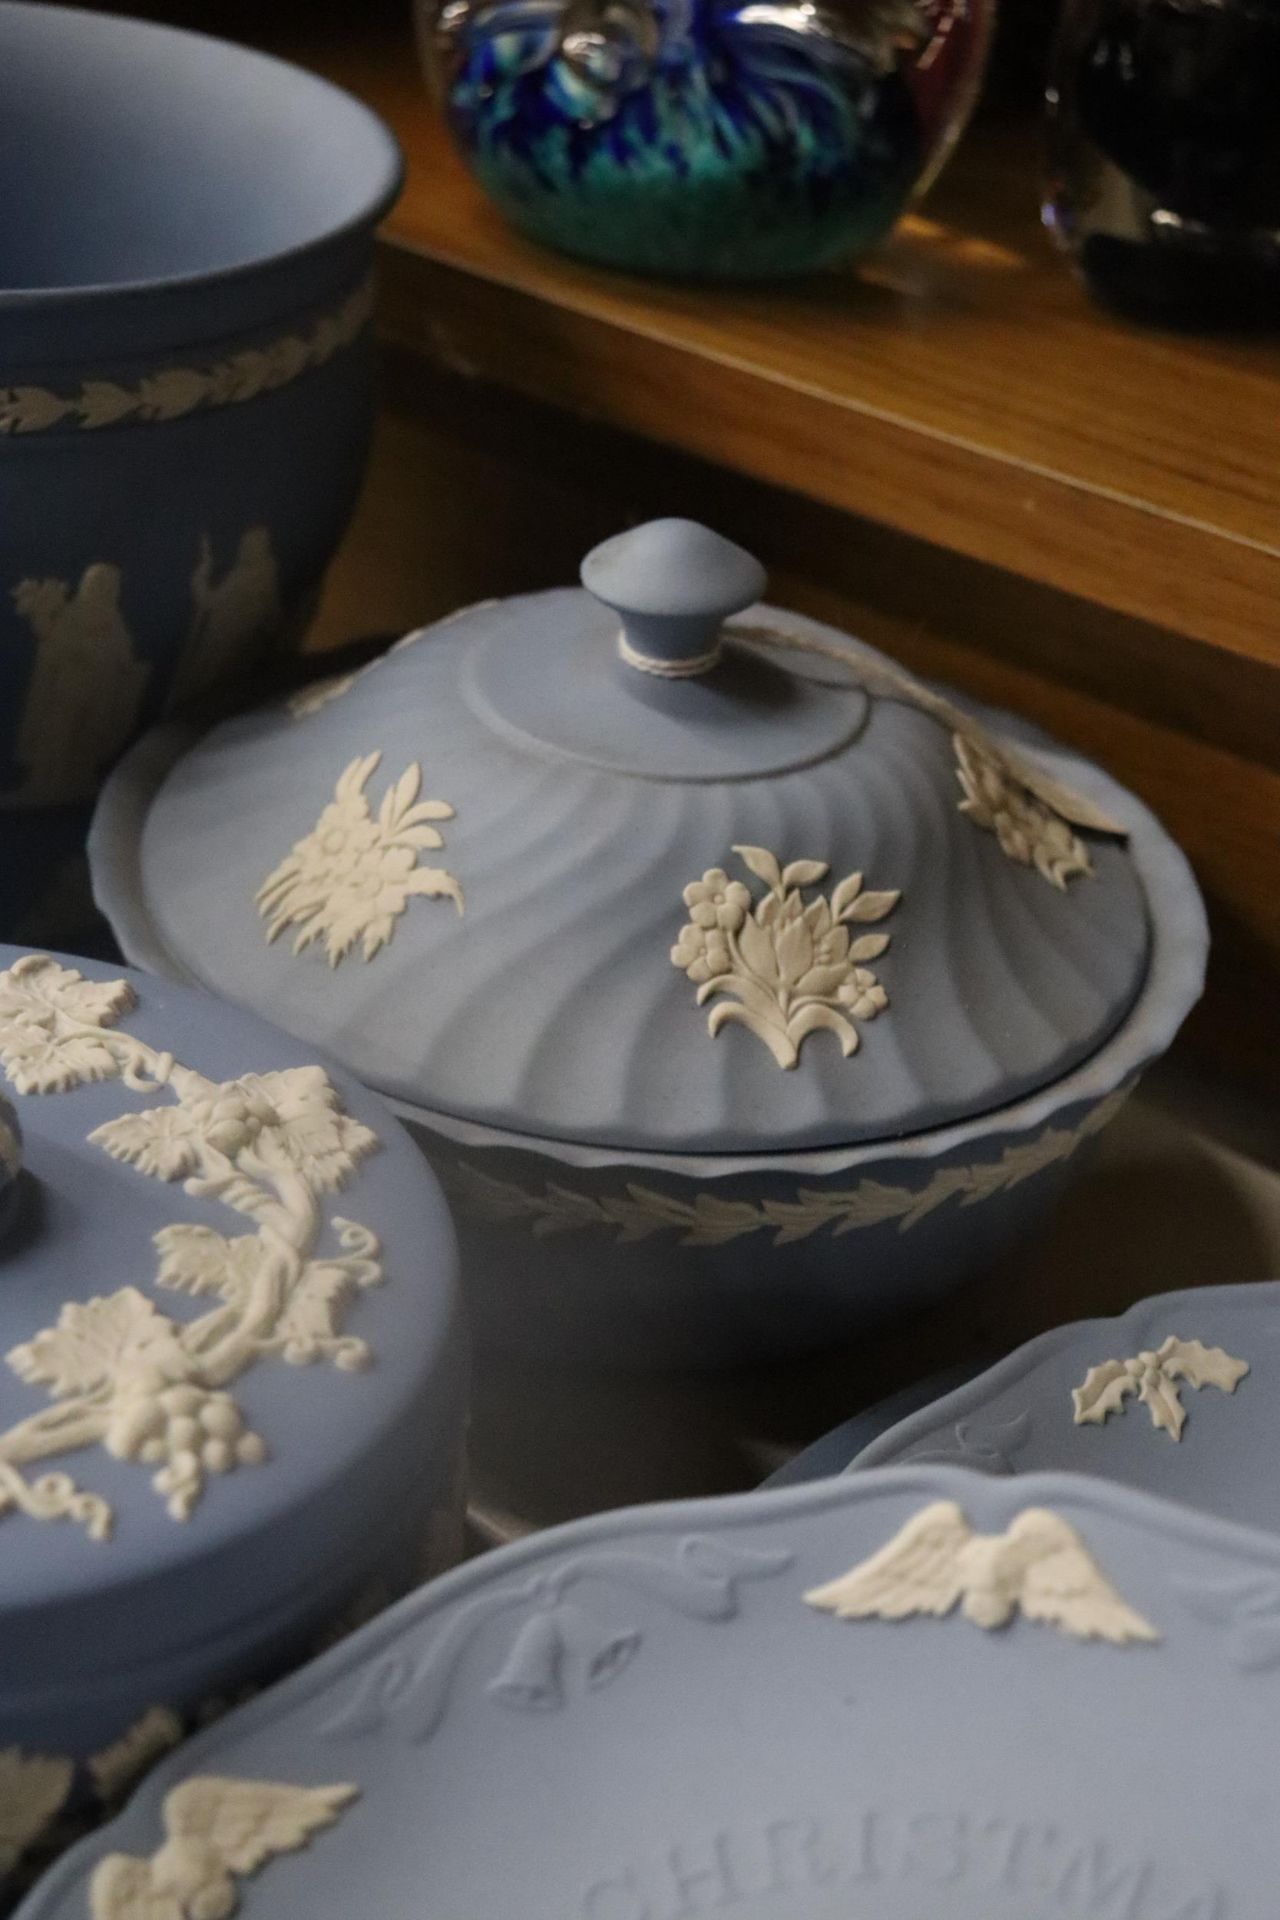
(1202, 1366)
(1155, 1377)
(1103, 1392)
(92, 1341)
(33, 1788)
(161, 1141)
(198, 1261)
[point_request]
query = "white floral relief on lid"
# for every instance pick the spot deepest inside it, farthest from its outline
(124, 1375)
(349, 880)
(1029, 831)
(792, 968)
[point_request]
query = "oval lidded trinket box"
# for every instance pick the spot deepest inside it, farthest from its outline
(740, 986)
(906, 1693)
(232, 1409)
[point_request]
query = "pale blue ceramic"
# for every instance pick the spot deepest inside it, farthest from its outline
(1019, 1416)
(632, 1184)
(186, 237)
(359, 1461)
(640, 1717)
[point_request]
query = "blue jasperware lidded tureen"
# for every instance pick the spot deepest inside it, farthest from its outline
(740, 986)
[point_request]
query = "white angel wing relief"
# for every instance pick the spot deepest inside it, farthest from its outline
(246, 1822)
(919, 1571)
(122, 1888)
(1062, 1584)
(217, 1829)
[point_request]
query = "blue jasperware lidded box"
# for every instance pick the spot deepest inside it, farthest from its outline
(742, 987)
(231, 1402)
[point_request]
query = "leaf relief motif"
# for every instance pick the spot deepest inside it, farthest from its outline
(1155, 1377)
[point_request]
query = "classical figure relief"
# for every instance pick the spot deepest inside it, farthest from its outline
(230, 615)
(86, 686)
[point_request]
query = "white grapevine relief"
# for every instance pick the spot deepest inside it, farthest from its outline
(121, 1373)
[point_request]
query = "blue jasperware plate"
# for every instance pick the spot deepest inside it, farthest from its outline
(704, 1709)
(1039, 1410)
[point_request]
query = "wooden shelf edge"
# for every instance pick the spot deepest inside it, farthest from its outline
(1212, 599)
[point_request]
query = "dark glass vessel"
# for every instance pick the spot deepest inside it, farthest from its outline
(1165, 155)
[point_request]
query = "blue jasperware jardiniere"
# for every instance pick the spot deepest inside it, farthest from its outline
(741, 987)
(716, 138)
(186, 240)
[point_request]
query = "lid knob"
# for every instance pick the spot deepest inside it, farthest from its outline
(674, 584)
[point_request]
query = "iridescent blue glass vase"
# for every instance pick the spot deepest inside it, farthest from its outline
(705, 138)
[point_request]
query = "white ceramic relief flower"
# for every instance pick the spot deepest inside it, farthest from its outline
(123, 1374)
(348, 881)
(1028, 830)
(792, 968)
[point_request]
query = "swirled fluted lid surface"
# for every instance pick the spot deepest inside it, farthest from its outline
(500, 876)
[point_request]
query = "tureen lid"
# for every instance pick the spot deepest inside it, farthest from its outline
(205, 1382)
(610, 865)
